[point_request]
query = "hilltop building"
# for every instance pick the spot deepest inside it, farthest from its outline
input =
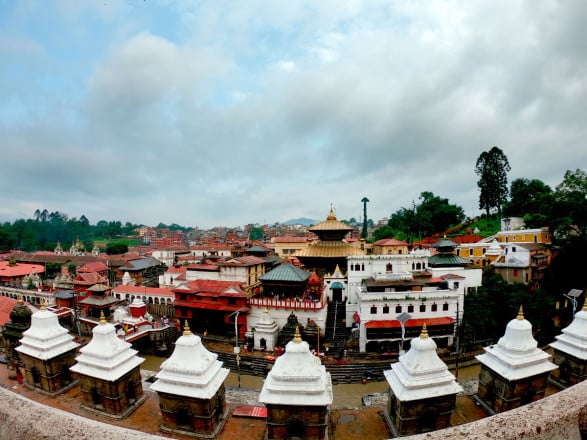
(514, 371)
(422, 392)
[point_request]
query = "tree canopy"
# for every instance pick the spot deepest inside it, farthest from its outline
(532, 200)
(492, 167)
(432, 215)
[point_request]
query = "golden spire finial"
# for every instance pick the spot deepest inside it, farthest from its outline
(19, 299)
(424, 334)
(102, 318)
(43, 305)
(520, 316)
(266, 310)
(585, 306)
(331, 215)
(297, 338)
(186, 329)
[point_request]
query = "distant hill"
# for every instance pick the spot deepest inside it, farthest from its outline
(300, 221)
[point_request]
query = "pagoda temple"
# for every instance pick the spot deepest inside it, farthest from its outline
(514, 371)
(47, 350)
(570, 352)
(330, 249)
(422, 392)
(109, 373)
(191, 391)
(297, 393)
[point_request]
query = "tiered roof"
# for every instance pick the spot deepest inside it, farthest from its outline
(573, 339)
(297, 378)
(46, 338)
(516, 355)
(106, 356)
(420, 373)
(191, 371)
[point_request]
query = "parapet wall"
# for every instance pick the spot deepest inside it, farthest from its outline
(24, 419)
(560, 416)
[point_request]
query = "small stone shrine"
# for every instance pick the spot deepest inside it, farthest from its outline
(570, 352)
(109, 373)
(265, 334)
(514, 371)
(297, 393)
(422, 392)
(20, 321)
(191, 390)
(47, 351)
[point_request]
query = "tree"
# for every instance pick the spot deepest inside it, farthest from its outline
(117, 247)
(571, 198)
(531, 199)
(435, 214)
(256, 233)
(382, 232)
(492, 167)
(364, 231)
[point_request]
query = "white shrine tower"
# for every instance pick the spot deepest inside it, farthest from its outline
(514, 371)
(297, 393)
(191, 390)
(109, 373)
(422, 392)
(570, 351)
(47, 350)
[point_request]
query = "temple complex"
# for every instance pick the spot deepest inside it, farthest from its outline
(330, 249)
(422, 392)
(191, 390)
(47, 350)
(297, 393)
(514, 371)
(109, 373)
(570, 352)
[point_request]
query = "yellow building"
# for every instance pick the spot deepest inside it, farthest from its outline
(287, 247)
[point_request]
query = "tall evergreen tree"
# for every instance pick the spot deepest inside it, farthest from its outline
(492, 167)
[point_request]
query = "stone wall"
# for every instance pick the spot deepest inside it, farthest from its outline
(39, 421)
(560, 416)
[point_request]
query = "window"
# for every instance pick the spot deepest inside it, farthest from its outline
(471, 252)
(386, 309)
(410, 308)
(434, 307)
(389, 267)
(456, 285)
(422, 307)
(445, 307)
(373, 310)
(398, 309)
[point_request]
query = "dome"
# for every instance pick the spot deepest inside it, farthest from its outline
(518, 334)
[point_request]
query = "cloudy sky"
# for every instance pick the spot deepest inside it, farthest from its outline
(234, 112)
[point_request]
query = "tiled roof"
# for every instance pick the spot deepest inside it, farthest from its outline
(286, 272)
(206, 267)
(248, 260)
(140, 264)
(390, 242)
(6, 306)
(89, 279)
(329, 249)
(94, 266)
(290, 239)
(208, 286)
(19, 270)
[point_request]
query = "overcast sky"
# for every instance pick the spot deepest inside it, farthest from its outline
(233, 112)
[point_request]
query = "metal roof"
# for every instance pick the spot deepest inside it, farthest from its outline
(286, 272)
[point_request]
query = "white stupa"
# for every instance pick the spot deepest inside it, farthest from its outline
(106, 356)
(420, 373)
(516, 355)
(192, 370)
(573, 339)
(46, 338)
(266, 329)
(298, 378)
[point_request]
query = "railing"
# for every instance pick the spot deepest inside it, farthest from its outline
(288, 303)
